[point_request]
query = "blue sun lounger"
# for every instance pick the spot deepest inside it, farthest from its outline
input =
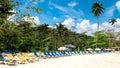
(36, 55)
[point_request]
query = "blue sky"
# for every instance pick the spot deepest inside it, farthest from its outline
(75, 11)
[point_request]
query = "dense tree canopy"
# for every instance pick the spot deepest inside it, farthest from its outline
(25, 37)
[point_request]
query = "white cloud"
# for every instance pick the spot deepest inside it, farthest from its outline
(12, 11)
(85, 26)
(110, 11)
(118, 5)
(72, 4)
(75, 13)
(51, 26)
(117, 25)
(106, 25)
(42, 1)
(67, 11)
(81, 27)
(34, 19)
(11, 18)
(66, 16)
(55, 18)
(69, 23)
(58, 7)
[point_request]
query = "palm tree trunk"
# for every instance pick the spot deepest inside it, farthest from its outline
(114, 42)
(97, 32)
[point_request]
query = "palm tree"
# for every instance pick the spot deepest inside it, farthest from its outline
(97, 9)
(61, 32)
(113, 21)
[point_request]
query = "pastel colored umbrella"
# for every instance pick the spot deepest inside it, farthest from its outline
(69, 46)
(67, 49)
(63, 49)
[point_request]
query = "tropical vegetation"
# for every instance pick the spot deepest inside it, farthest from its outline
(22, 35)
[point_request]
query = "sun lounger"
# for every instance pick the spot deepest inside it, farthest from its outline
(28, 58)
(36, 55)
(46, 54)
(1, 59)
(12, 51)
(41, 54)
(67, 53)
(11, 59)
(6, 51)
(51, 54)
(21, 58)
(64, 53)
(60, 53)
(76, 52)
(56, 54)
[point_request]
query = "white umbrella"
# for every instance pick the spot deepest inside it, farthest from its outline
(108, 49)
(69, 46)
(97, 49)
(89, 49)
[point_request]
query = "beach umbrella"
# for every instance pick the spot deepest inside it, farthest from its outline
(89, 49)
(69, 46)
(67, 49)
(97, 49)
(113, 49)
(63, 48)
(108, 49)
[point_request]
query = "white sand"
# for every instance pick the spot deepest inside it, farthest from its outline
(109, 60)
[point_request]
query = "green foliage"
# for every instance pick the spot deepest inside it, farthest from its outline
(97, 9)
(103, 39)
(5, 7)
(113, 21)
(23, 36)
(38, 10)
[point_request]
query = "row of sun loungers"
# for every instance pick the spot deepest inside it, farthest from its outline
(23, 58)
(64, 53)
(19, 58)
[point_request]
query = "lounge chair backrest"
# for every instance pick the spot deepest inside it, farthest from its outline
(26, 55)
(40, 53)
(19, 55)
(10, 56)
(1, 58)
(6, 51)
(35, 54)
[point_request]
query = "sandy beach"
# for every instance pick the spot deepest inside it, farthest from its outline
(108, 60)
